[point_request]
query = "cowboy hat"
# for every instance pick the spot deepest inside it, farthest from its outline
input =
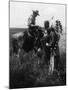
(36, 12)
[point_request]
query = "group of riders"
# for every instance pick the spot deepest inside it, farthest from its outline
(48, 37)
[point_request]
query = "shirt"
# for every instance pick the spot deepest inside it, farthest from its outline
(31, 20)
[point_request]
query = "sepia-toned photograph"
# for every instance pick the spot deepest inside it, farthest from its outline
(37, 44)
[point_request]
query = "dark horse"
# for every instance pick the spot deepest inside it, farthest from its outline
(28, 41)
(33, 40)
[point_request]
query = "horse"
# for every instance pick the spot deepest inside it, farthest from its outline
(15, 43)
(26, 41)
(32, 39)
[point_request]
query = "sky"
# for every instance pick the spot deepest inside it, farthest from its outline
(20, 12)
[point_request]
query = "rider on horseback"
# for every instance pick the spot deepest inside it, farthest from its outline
(31, 22)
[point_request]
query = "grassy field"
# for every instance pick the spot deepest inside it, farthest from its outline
(32, 71)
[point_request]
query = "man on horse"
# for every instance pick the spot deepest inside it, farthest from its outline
(32, 22)
(34, 30)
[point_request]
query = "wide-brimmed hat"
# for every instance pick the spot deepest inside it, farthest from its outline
(36, 12)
